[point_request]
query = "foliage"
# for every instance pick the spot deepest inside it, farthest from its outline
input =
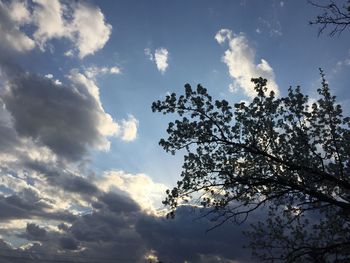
(336, 15)
(286, 155)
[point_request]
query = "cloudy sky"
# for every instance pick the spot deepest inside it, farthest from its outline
(81, 171)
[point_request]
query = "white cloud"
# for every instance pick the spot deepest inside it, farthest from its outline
(160, 57)
(147, 193)
(114, 70)
(91, 29)
(69, 53)
(56, 81)
(12, 17)
(240, 60)
(48, 17)
(19, 12)
(49, 76)
(129, 128)
(80, 22)
(223, 35)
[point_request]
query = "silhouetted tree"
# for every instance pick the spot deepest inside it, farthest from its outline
(336, 16)
(285, 154)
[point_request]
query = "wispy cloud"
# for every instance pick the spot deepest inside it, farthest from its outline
(149, 54)
(273, 28)
(93, 71)
(240, 60)
(341, 64)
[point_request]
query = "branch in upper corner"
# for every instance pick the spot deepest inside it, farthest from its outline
(335, 16)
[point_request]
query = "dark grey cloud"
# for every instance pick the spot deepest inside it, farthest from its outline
(187, 232)
(75, 184)
(35, 232)
(68, 243)
(8, 137)
(63, 227)
(117, 203)
(116, 226)
(126, 237)
(59, 117)
(62, 178)
(107, 232)
(114, 214)
(11, 210)
(16, 207)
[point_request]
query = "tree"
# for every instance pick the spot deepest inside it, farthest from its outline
(335, 15)
(284, 155)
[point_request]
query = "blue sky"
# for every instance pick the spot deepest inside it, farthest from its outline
(77, 81)
(187, 31)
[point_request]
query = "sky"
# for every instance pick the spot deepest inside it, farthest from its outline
(82, 175)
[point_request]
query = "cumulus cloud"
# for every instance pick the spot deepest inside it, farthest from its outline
(91, 29)
(240, 60)
(87, 30)
(160, 57)
(73, 119)
(83, 24)
(127, 129)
